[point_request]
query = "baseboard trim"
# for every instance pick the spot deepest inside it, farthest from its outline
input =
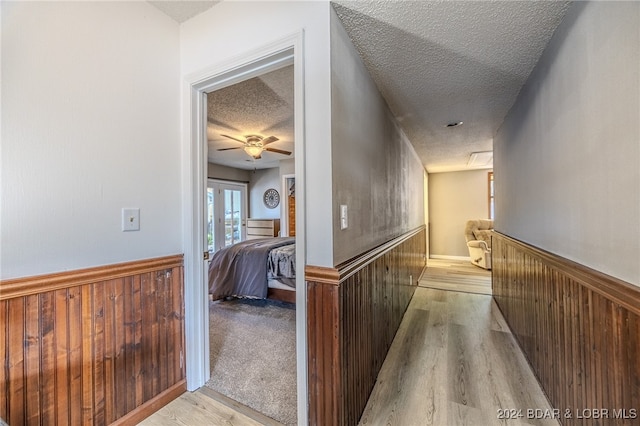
(153, 405)
(447, 257)
(281, 295)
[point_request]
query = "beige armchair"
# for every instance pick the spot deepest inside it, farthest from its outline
(478, 236)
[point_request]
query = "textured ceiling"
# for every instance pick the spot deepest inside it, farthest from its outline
(259, 106)
(181, 10)
(448, 61)
(435, 62)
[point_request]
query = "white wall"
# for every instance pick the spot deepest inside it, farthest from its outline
(230, 29)
(261, 180)
(376, 171)
(258, 182)
(567, 158)
(455, 198)
(90, 124)
(287, 167)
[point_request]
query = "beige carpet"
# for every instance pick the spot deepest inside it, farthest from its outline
(253, 355)
(456, 275)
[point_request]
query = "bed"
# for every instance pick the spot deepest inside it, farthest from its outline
(261, 268)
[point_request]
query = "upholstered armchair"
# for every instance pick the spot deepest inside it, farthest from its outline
(478, 236)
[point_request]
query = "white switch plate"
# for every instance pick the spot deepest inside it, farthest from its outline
(344, 217)
(130, 219)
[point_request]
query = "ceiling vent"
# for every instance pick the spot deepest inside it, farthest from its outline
(480, 159)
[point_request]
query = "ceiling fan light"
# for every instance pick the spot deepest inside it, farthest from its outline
(253, 150)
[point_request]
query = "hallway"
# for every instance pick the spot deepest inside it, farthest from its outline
(453, 362)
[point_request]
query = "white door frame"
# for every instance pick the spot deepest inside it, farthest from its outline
(194, 142)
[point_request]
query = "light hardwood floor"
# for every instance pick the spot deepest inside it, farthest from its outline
(456, 275)
(452, 362)
(206, 407)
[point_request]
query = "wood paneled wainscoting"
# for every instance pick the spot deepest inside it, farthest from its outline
(93, 347)
(353, 313)
(579, 329)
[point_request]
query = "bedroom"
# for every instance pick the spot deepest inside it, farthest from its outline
(250, 219)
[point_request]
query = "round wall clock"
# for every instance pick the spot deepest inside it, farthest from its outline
(271, 198)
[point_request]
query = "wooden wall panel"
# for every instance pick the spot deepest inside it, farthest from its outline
(92, 351)
(353, 313)
(577, 327)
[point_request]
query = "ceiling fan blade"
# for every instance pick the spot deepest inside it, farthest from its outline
(279, 151)
(235, 139)
(227, 149)
(269, 140)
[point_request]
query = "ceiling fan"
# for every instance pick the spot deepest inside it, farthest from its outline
(255, 145)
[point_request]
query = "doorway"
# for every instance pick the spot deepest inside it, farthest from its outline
(250, 128)
(272, 56)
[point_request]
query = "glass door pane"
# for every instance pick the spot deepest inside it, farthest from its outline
(210, 220)
(226, 213)
(233, 216)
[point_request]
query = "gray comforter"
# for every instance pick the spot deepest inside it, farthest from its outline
(242, 269)
(281, 264)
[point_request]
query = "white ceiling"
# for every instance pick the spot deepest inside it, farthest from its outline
(181, 10)
(437, 62)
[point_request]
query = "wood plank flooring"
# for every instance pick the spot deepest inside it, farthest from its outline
(206, 407)
(456, 275)
(454, 362)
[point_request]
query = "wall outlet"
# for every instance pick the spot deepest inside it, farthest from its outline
(130, 220)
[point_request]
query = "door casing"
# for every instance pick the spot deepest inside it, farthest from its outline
(269, 57)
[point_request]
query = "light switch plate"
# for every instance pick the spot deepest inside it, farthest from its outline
(130, 219)
(344, 217)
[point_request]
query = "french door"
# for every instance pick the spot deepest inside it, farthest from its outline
(226, 213)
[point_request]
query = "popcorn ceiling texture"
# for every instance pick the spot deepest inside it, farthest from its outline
(441, 62)
(259, 106)
(435, 62)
